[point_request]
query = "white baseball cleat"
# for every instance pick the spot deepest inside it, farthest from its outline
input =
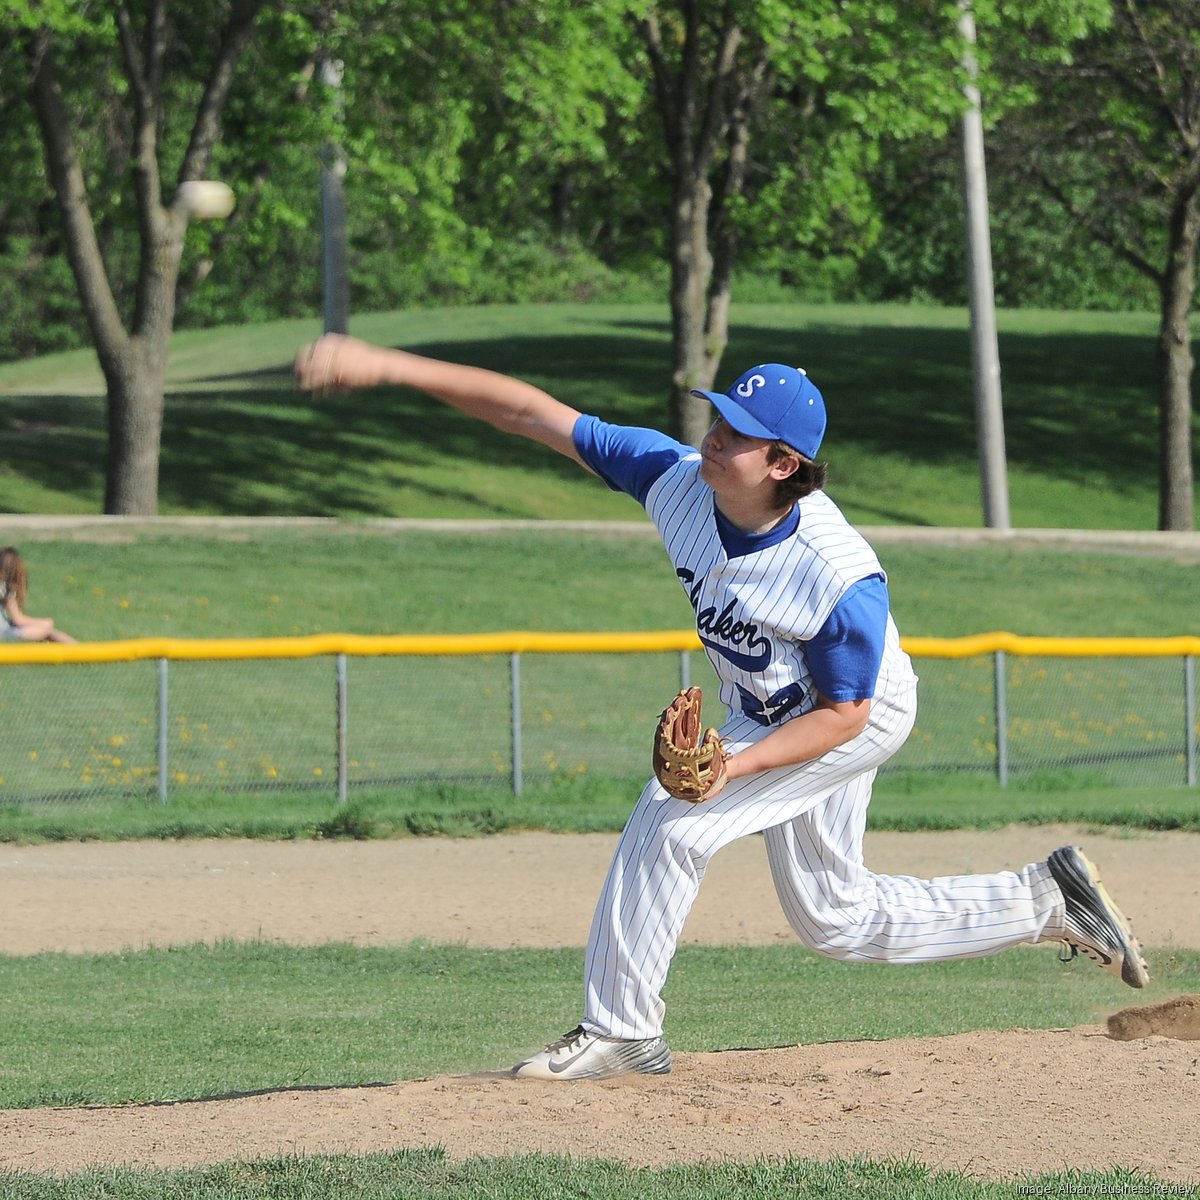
(1094, 924)
(582, 1054)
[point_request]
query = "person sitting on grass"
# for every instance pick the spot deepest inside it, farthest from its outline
(15, 624)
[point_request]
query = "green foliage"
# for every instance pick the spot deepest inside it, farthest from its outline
(535, 266)
(100, 122)
(1123, 197)
(464, 154)
(64, 16)
(506, 154)
(1040, 257)
(862, 83)
(38, 298)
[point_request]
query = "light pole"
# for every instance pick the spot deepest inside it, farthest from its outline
(985, 350)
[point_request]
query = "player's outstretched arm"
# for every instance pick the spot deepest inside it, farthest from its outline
(336, 363)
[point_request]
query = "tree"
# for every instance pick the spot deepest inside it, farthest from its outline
(773, 113)
(472, 125)
(705, 101)
(129, 101)
(449, 114)
(1115, 140)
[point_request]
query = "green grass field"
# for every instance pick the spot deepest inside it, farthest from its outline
(141, 1026)
(902, 802)
(94, 1029)
(1079, 396)
(348, 577)
(277, 582)
(431, 1175)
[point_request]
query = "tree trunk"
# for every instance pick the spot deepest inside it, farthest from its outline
(134, 393)
(724, 235)
(691, 271)
(135, 378)
(135, 369)
(1177, 501)
(695, 115)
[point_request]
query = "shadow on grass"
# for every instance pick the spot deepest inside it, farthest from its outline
(1074, 406)
(56, 442)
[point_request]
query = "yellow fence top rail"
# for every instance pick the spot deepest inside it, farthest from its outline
(517, 642)
(1053, 647)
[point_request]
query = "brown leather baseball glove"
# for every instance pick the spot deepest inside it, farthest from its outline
(690, 766)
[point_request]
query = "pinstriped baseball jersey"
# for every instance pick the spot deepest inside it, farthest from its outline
(755, 611)
(761, 608)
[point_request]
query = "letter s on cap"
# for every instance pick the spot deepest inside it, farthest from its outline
(747, 386)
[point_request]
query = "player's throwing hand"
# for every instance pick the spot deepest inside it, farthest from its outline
(336, 363)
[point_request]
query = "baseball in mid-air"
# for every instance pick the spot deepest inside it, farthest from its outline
(207, 199)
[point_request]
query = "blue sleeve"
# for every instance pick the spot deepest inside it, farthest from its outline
(629, 460)
(845, 655)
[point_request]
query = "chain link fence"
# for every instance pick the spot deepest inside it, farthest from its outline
(336, 714)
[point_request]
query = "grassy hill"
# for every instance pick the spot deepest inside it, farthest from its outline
(1079, 396)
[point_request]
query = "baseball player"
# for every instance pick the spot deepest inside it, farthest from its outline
(791, 606)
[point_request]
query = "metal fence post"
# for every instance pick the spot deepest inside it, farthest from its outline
(162, 731)
(341, 728)
(1189, 716)
(515, 685)
(1001, 719)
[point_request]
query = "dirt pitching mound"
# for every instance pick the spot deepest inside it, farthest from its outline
(991, 1105)
(1177, 1018)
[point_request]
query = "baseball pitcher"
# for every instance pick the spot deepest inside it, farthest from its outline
(791, 606)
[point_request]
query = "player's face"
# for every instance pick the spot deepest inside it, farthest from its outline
(732, 461)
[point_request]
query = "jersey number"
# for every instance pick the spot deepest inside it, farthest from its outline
(773, 710)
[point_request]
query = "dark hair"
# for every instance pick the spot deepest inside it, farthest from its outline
(13, 576)
(808, 477)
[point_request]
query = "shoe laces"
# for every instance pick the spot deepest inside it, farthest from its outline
(1069, 951)
(570, 1040)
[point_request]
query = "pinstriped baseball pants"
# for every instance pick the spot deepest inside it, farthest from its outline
(812, 817)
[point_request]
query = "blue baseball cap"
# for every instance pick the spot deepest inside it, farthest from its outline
(776, 402)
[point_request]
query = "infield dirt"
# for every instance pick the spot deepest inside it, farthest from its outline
(987, 1104)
